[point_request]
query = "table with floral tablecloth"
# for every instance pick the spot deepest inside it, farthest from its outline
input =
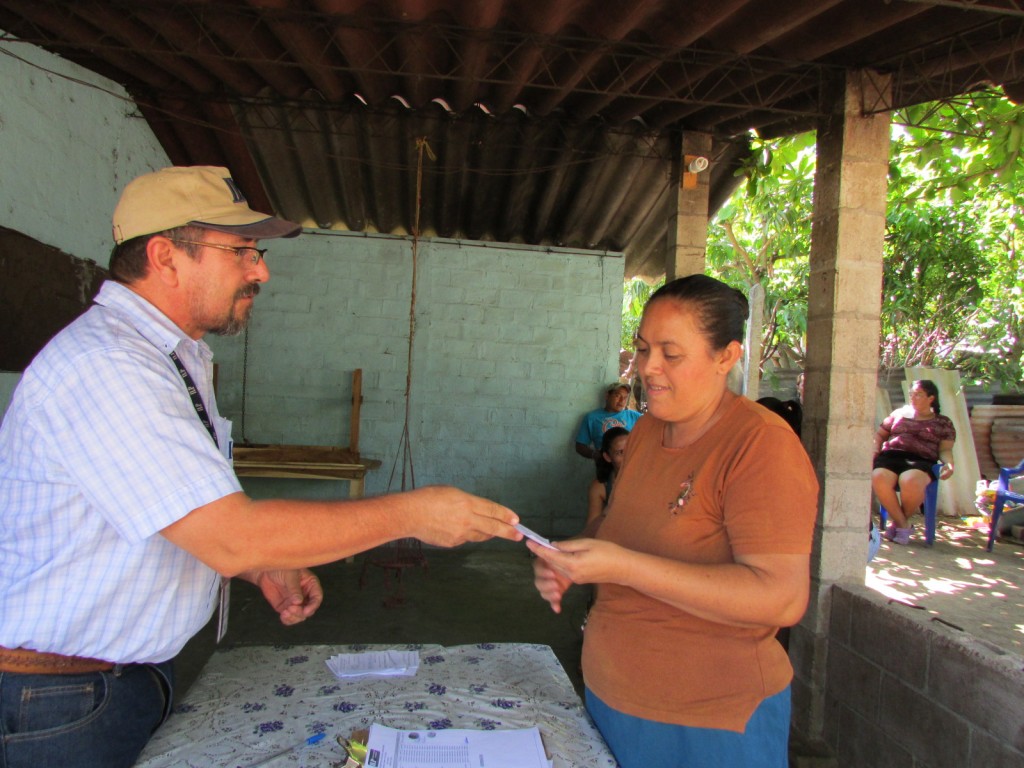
(252, 701)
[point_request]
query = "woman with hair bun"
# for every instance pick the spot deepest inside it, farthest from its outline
(702, 555)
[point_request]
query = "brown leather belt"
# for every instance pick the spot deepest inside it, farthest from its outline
(27, 662)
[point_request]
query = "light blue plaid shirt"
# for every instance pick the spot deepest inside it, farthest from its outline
(100, 449)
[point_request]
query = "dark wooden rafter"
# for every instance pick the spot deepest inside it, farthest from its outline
(551, 58)
(552, 122)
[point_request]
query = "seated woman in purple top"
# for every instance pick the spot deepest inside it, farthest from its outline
(908, 443)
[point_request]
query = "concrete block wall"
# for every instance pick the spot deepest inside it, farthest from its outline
(512, 345)
(69, 142)
(905, 691)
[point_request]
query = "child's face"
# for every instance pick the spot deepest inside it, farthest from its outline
(616, 451)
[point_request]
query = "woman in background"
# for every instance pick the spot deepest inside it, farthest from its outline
(908, 443)
(704, 552)
(613, 449)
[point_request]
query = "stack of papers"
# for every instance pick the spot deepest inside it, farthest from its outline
(455, 748)
(375, 664)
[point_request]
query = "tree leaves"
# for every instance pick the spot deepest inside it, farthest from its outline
(952, 276)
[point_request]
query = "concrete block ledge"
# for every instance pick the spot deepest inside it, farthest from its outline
(966, 694)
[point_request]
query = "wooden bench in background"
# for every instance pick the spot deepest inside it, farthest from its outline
(312, 462)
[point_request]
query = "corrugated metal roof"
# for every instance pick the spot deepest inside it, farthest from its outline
(551, 122)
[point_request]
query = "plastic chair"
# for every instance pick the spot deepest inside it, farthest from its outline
(930, 506)
(1003, 495)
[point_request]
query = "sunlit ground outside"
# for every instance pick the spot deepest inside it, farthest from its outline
(957, 581)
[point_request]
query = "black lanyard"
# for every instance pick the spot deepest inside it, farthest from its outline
(197, 400)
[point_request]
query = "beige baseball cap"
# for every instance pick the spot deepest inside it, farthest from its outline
(202, 195)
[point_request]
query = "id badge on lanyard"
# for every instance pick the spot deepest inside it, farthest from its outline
(226, 448)
(224, 603)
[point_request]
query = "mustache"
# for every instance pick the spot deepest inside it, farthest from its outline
(248, 291)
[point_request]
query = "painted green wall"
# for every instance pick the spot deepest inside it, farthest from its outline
(69, 141)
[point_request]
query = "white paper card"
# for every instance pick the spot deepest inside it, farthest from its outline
(534, 536)
(375, 663)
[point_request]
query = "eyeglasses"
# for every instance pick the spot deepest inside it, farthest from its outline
(241, 251)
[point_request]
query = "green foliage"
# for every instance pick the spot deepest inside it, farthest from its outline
(634, 297)
(932, 286)
(762, 236)
(952, 276)
(951, 291)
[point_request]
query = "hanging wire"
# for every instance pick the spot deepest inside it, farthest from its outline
(405, 444)
(396, 556)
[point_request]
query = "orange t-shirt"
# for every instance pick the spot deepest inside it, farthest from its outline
(744, 487)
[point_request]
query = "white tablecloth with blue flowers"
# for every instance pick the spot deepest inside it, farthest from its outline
(250, 702)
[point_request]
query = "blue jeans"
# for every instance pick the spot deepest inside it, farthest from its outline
(640, 743)
(95, 720)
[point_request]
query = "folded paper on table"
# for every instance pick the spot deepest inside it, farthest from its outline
(374, 664)
(454, 748)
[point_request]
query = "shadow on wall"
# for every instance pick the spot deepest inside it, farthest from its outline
(42, 289)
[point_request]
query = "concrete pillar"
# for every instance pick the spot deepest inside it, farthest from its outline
(844, 300)
(688, 226)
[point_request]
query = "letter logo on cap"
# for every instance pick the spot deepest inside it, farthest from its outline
(236, 193)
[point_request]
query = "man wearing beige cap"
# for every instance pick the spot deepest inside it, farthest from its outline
(595, 423)
(120, 514)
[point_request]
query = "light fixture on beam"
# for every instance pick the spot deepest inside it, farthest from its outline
(692, 165)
